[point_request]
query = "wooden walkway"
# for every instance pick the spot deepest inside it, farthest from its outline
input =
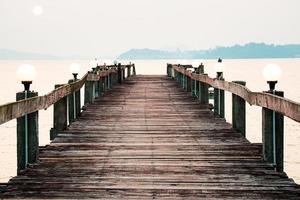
(147, 139)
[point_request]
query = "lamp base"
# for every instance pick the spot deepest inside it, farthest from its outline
(272, 85)
(75, 76)
(26, 85)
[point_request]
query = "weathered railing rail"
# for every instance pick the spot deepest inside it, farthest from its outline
(17, 109)
(67, 107)
(274, 106)
(279, 104)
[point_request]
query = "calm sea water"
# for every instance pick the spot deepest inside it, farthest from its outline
(54, 72)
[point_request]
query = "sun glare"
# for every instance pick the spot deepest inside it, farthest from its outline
(37, 10)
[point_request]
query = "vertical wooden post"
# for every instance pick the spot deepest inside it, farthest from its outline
(219, 101)
(272, 135)
(128, 71)
(193, 88)
(60, 115)
(101, 86)
(133, 72)
(239, 112)
(188, 84)
(72, 105)
(169, 68)
(123, 74)
(78, 103)
(216, 102)
(27, 135)
(119, 73)
(88, 92)
(203, 92)
(105, 83)
(97, 92)
(222, 103)
(199, 86)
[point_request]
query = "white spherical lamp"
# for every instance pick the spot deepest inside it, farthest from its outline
(272, 74)
(26, 74)
(74, 69)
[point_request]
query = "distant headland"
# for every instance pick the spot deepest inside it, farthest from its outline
(250, 50)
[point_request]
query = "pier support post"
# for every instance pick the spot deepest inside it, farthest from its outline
(101, 86)
(89, 90)
(129, 71)
(219, 102)
(133, 69)
(169, 68)
(188, 84)
(72, 105)
(194, 88)
(60, 115)
(78, 103)
(203, 92)
(123, 74)
(272, 135)
(27, 135)
(239, 112)
(97, 90)
(119, 73)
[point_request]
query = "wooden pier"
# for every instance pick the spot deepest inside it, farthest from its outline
(147, 138)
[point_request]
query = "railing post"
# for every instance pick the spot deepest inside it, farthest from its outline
(123, 74)
(129, 71)
(89, 92)
(219, 100)
(133, 68)
(101, 86)
(119, 73)
(78, 103)
(272, 135)
(27, 135)
(169, 68)
(60, 115)
(188, 84)
(203, 92)
(72, 105)
(239, 112)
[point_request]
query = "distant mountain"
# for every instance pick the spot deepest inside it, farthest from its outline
(8, 54)
(250, 50)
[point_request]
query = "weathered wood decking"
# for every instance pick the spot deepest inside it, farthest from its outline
(147, 139)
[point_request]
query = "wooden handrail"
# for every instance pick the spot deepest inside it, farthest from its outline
(279, 104)
(18, 109)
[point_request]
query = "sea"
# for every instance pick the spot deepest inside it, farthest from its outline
(54, 72)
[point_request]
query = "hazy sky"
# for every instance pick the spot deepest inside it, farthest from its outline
(105, 28)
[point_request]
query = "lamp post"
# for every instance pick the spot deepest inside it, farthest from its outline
(27, 126)
(272, 122)
(219, 100)
(199, 69)
(74, 98)
(74, 69)
(94, 65)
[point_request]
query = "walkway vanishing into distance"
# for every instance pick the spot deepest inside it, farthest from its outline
(149, 139)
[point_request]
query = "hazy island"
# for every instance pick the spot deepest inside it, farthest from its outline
(250, 50)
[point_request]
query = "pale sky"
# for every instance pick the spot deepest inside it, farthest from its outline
(106, 28)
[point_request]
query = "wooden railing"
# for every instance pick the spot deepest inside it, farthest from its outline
(274, 106)
(17, 109)
(67, 107)
(279, 104)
